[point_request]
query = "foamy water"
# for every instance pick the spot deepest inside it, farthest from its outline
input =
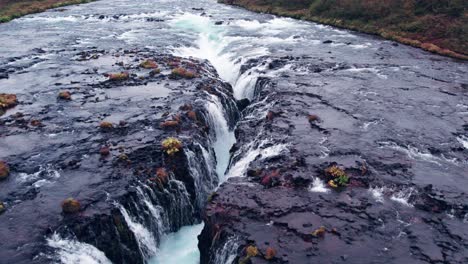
(70, 251)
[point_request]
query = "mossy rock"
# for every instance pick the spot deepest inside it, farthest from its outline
(71, 206)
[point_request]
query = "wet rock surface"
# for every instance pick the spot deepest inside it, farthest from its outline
(350, 151)
(301, 131)
(95, 154)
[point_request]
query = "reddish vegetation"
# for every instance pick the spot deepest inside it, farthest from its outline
(313, 118)
(118, 76)
(70, 206)
(179, 73)
(270, 253)
(162, 175)
(106, 125)
(35, 123)
(4, 170)
(192, 115)
(149, 64)
(104, 151)
(65, 95)
(169, 124)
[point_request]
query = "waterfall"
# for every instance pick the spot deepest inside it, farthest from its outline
(159, 218)
(223, 137)
(145, 239)
(214, 44)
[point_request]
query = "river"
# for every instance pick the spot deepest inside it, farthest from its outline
(408, 100)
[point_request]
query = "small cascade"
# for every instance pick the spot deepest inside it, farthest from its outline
(223, 137)
(72, 251)
(253, 151)
(201, 173)
(160, 221)
(145, 238)
(228, 252)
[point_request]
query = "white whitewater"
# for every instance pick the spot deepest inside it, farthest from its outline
(180, 247)
(145, 239)
(225, 137)
(72, 251)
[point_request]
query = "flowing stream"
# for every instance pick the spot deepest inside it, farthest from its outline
(239, 44)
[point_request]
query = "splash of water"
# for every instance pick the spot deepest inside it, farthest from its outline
(318, 186)
(253, 152)
(180, 247)
(72, 251)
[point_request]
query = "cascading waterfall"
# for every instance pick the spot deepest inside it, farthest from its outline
(215, 45)
(224, 138)
(181, 247)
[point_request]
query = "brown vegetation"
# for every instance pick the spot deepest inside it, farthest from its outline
(7, 101)
(65, 95)
(178, 73)
(70, 206)
(4, 170)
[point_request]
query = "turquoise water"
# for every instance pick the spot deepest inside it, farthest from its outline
(180, 247)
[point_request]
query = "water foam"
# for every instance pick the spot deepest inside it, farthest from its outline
(318, 186)
(224, 137)
(463, 140)
(240, 167)
(414, 153)
(179, 247)
(377, 193)
(72, 251)
(403, 197)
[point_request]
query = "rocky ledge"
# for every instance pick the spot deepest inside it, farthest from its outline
(317, 178)
(108, 157)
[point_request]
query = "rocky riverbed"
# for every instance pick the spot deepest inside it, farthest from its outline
(87, 141)
(295, 141)
(128, 125)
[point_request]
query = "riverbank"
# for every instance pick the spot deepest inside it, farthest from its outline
(437, 31)
(10, 10)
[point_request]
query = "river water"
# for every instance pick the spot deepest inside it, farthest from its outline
(378, 71)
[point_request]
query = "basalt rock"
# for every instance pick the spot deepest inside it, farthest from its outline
(141, 178)
(377, 206)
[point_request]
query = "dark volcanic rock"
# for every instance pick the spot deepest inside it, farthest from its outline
(111, 193)
(279, 196)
